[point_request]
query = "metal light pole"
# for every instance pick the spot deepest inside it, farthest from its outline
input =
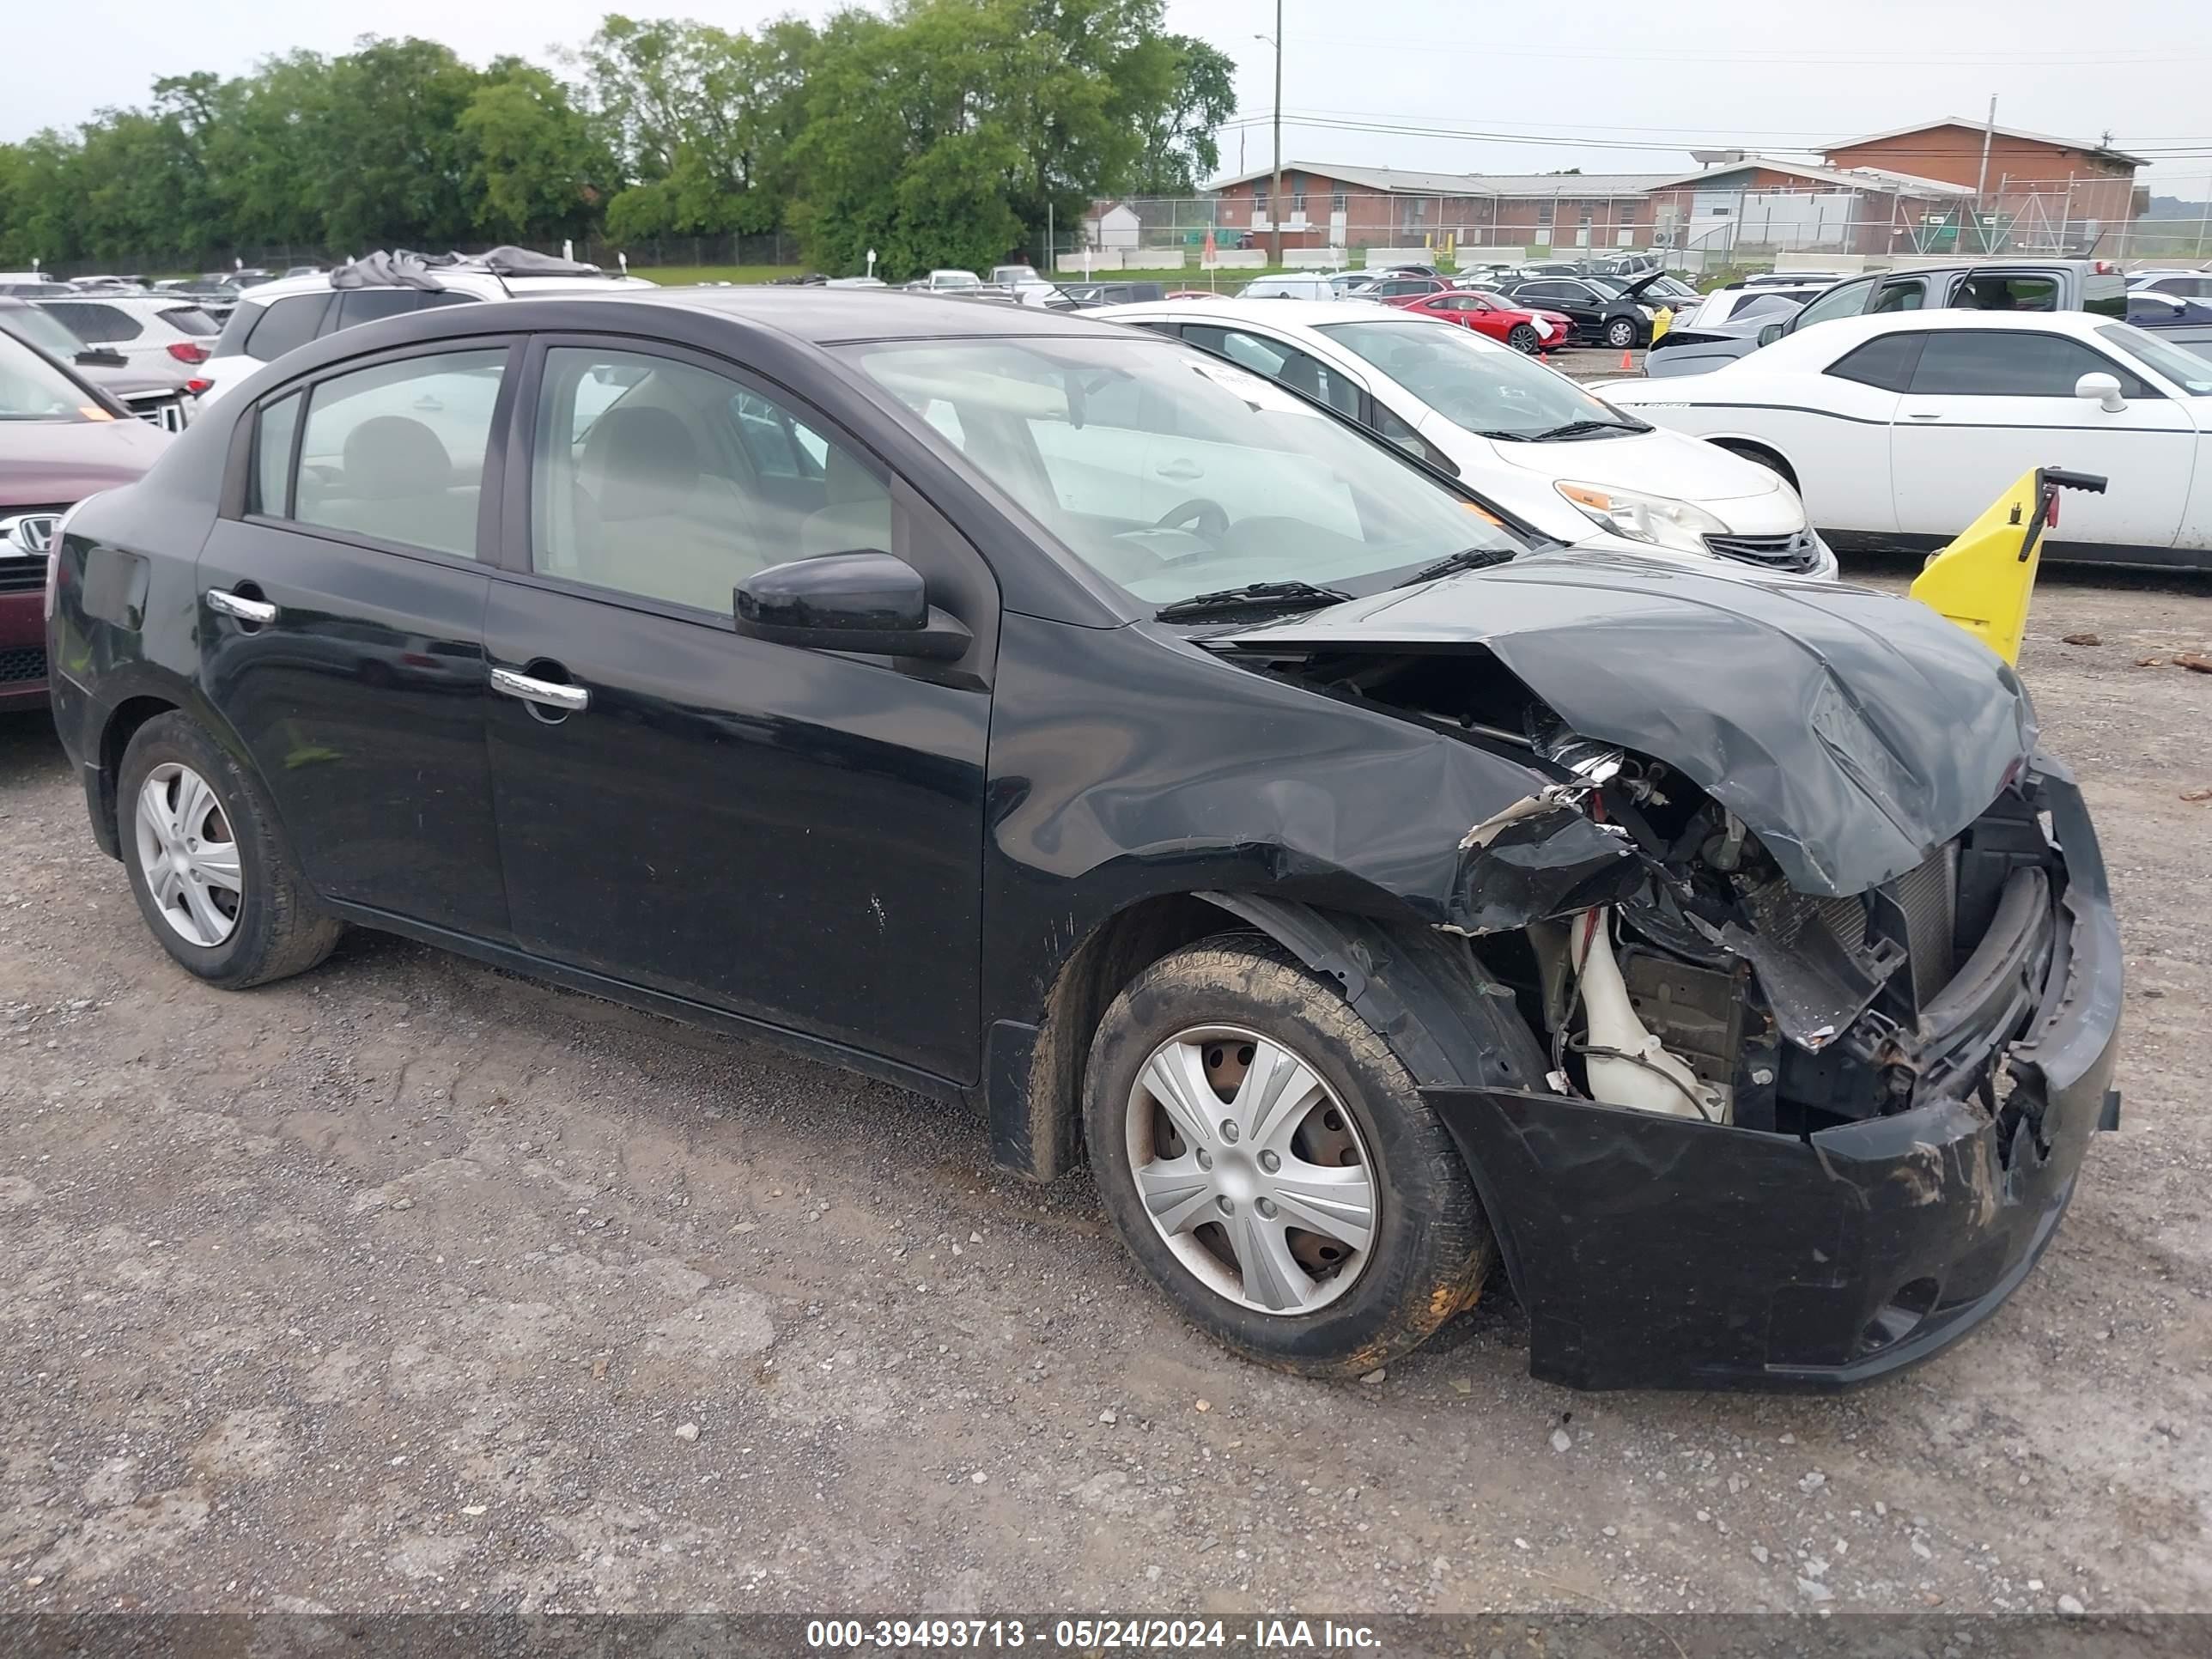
(1982, 182)
(1276, 191)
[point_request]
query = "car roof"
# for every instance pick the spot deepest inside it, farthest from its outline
(1829, 340)
(472, 279)
(1280, 313)
(828, 316)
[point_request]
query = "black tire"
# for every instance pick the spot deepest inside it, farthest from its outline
(1620, 334)
(278, 930)
(1431, 1249)
(1521, 337)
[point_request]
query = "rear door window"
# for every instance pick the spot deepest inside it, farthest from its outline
(395, 452)
(95, 324)
(190, 319)
(285, 325)
(1299, 370)
(366, 305)
(1996, 291)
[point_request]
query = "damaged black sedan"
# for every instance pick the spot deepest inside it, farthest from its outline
(1054, 719)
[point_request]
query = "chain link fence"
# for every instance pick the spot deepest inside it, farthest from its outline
(1693, 228)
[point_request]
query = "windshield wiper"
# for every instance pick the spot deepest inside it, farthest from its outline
(1252, 596)
(1468, 558)
(1508, 437)
(1575, 428)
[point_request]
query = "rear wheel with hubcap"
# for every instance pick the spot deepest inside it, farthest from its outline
(206, 865)
(1271, 1165)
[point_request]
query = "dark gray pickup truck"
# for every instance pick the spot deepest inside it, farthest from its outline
(1988, 285)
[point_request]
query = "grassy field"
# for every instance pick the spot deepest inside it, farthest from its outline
(683, 276)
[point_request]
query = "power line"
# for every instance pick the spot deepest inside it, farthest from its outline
(1756, 55)
(1595, 139)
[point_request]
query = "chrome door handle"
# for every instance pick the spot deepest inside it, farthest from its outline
(570, 699)
(1932, 415)
(237, 605)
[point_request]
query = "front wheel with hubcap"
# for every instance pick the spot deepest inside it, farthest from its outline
(210, 873)
(1620, 332)
(1523, 338)
(1271, 1165)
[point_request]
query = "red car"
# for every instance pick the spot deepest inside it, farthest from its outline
(59, 441)
(1523, 329)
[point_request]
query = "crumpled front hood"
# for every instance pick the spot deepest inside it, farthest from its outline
(1853, 732)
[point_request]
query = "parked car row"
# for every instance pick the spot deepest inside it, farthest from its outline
(1897, 426)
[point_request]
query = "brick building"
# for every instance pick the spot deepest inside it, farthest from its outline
(1339, 205)
(1759, 202)
(1910, 190)
(2033, 181)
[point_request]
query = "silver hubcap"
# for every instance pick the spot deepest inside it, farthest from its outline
(187, 854)
(1251, 1169)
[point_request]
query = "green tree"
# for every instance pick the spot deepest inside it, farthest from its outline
(535, 168)
(699, 119)
(1181, 149)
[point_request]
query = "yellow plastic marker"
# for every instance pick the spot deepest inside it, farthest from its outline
(1984, 580)
(1661, 320)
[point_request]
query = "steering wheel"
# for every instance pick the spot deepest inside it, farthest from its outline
(1208, 518)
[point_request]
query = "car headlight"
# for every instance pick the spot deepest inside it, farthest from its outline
(1659, 519)
(1647, 312)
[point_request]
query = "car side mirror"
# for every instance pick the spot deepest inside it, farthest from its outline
(1769, 334)
(2105, 389)
(865, 601)
(101, 357)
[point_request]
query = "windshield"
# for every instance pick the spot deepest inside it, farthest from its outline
(32, 389)
(1173, 473)
(2191, 372)
(1486, 391)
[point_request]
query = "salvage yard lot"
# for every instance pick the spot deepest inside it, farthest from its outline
(407, 1284)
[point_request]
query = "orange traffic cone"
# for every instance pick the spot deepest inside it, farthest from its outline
(1628, 360)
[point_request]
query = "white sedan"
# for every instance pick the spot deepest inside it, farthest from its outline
(1900, 429)
(1517, 432)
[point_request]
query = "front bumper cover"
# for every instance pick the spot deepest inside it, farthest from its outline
(1653, 1252)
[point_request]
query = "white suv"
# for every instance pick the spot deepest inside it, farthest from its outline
(274, 317)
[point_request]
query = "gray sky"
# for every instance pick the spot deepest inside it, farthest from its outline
(1752, 74)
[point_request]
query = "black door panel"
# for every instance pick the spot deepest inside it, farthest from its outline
(362, 703)
(794, 836)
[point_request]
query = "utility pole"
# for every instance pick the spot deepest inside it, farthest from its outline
(1982, 182)
(1275, 191)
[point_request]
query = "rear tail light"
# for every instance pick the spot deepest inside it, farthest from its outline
(197, 384)
(188, 351)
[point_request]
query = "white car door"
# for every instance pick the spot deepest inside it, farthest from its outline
(1830, 424)
(1984, 405)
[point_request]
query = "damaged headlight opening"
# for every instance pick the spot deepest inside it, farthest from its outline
(1677, 971)
(1660, 520)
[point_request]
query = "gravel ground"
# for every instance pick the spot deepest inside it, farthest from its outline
(410, 1285)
